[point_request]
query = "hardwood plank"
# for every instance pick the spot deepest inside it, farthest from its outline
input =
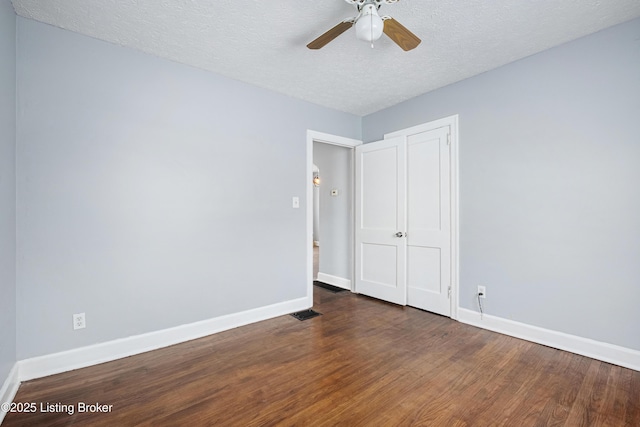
(632, 412)
(563, 385)
(584, 410)
(364, 362)
(614, 403)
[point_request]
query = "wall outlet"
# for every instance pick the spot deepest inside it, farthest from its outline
(79, 321)
(482, 291)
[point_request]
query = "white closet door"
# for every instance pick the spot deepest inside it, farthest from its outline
(381, 249)
(428, 221)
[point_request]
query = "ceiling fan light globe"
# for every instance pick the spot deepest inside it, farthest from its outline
(369, 25)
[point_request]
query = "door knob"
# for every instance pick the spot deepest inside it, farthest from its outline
(400, 234)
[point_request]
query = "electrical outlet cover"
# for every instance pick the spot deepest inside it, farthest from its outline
(482, 290)
(79, 321)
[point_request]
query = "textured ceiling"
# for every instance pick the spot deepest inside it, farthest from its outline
(264, 43)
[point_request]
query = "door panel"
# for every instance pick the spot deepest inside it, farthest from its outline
(379, 264)
(423, 166)
(429, 229)
(424, 268)
(379, 184)
(380, 214)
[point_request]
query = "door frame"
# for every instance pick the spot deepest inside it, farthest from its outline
(325, 138)
(452, 123)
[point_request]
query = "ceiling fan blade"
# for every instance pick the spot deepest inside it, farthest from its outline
(400, 35)
(330, 35)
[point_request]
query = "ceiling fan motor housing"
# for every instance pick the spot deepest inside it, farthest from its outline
(369, 25)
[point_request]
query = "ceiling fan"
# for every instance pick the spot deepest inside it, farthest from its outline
(369, 27)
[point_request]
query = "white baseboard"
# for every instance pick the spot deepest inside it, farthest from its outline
(334, 280)
(56, 363)
(9, 390)
(609, 353)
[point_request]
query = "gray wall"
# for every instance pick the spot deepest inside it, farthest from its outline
(7, 189)
(143, 196)
(336, 218)
(549, 175)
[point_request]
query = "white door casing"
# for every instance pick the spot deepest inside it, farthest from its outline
(380, 213)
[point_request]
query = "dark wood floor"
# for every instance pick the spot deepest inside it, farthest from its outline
(316, 261)
(363, 363)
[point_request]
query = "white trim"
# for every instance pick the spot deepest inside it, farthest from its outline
(425, 127)
(9, 389)
(56, 363)
(334, 280)
(606, 352)
(452, 123)
(455, 215)
(327, 139)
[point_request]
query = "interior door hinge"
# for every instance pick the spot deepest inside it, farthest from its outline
(448, 139)
(449, 292)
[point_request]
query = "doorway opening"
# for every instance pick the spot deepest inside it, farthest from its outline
(330, 159)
